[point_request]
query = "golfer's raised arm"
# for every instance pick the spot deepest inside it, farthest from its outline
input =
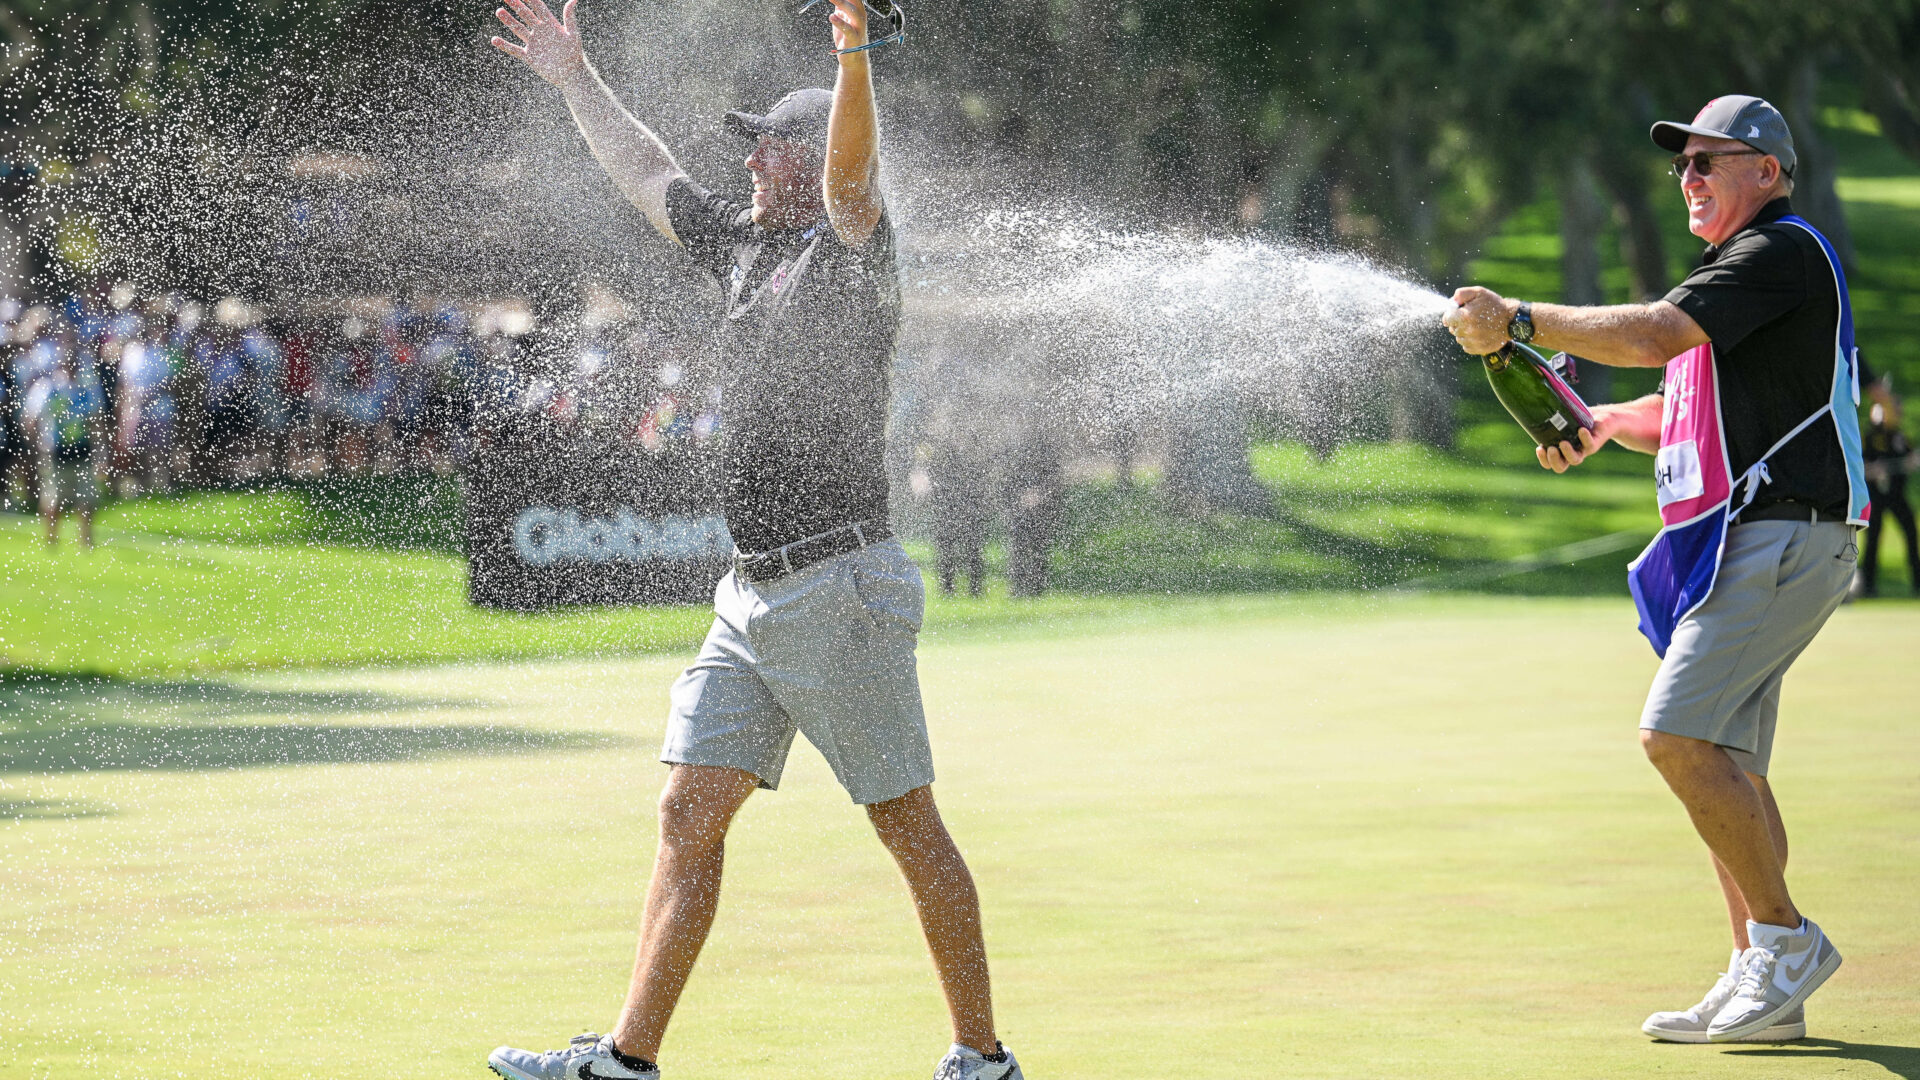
(637, 162)
(853, 133)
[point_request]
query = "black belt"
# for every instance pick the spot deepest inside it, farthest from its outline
(767, 565)
(1784, 510)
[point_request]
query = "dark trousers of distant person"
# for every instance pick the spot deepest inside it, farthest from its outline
(959, 539)
(1889, 499)
(1031, 525)
(956, 556)
(8, 459)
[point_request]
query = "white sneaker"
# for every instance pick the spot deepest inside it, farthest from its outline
(1777, 974)
(965, 1063)
(587, 1057)
(1690, 1025)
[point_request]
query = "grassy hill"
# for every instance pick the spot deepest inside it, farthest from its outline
(213, 581)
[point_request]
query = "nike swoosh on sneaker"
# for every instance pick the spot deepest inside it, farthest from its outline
(1788, 979)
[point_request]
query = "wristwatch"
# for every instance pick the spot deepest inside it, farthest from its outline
(1521, 328)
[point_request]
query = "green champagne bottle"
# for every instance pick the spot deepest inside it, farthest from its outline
(1531, 388)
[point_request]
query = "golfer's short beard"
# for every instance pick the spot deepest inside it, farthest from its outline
(793, 206)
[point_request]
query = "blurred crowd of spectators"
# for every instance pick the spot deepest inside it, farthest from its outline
(113, 393)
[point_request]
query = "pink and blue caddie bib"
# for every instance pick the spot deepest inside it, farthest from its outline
(1694, 477)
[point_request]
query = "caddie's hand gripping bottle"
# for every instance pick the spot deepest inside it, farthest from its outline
(1535, 394)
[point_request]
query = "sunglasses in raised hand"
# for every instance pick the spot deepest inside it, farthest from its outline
(1702, 161)
(892, 15)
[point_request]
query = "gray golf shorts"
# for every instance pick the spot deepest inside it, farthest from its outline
(826, 650)
(1778, 583)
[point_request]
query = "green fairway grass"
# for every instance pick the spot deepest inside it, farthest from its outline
(1374, 515)
(1399, 836)
(224, 581)
(155, 602)
(211, 582)
(220, 581)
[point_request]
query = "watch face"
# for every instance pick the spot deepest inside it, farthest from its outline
(1520, 329)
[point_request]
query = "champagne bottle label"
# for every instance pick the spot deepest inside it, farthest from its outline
(1534, 394)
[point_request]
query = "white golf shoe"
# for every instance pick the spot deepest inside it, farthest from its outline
(1777, 974)
(966, 1063)
(587, 1057)
(1690, 1025)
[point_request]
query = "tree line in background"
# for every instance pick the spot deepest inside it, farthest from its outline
(1412, 127)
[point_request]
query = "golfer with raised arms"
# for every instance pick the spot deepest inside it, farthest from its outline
(815, 627)
(1761, 491)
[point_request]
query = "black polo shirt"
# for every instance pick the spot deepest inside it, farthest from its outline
(808, 343)
(1768, 301)
(1886, 444)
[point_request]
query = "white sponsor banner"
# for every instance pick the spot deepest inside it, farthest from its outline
(543, 536)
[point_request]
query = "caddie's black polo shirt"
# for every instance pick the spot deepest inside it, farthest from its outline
(1768, 301)
(808, 340)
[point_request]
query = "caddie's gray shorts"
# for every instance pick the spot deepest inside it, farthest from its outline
(1778, 583)
(827, 650)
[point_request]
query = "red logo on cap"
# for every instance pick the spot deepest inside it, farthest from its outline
(1703, 112)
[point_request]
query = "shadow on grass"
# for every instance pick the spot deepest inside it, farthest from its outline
(1903, 1061)
(50, 810)
(52, 723)
(97, 747)
(31, 695)
(1133, 541)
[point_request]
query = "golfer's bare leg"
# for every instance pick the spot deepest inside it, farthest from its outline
(1737, 912)
(1730, 814)
(948, 907)
(695, 809)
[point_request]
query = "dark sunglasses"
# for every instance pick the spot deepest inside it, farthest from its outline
(1702, 162)
(893, 15)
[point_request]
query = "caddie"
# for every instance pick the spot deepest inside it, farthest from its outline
(814, 630)
(1757, 460)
